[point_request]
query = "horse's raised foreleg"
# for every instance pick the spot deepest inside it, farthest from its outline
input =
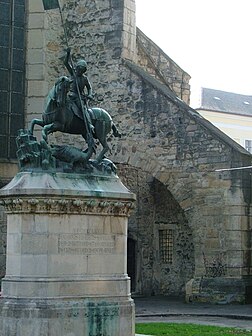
(50, 128)
(34, 122)
(46, 130)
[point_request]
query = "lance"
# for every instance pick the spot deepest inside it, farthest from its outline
(54, 4)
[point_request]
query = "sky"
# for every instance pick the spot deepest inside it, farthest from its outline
(209, 39)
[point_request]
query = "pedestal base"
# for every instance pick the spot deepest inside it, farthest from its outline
(87, 317)
(66, 256)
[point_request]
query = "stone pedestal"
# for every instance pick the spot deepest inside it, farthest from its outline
(219, 290)
(66, 256)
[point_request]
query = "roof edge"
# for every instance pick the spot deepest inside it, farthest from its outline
(139, 31)
(184, 107)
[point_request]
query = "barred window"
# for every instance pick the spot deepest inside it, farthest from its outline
(166, 245)
(12, 72)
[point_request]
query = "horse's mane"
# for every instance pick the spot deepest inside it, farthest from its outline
(50, 96)
(52, 93)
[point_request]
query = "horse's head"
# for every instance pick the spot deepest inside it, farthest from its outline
(61, 88)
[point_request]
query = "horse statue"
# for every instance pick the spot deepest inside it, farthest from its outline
(59, 115)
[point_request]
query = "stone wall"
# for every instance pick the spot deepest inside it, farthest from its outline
(182, 151)
(153, 60)
(36, 84)
(166, 145)
(157, 210)
(3, 229)
(165, 138)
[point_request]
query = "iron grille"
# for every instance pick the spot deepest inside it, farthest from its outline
(166, 245)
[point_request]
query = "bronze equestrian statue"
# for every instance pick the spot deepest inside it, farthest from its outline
(66, 111)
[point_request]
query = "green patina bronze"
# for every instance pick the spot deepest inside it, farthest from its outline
(36, 156)
(102, 317)
(33, 155)
(60, 115)
(66, 110)
(80, 83)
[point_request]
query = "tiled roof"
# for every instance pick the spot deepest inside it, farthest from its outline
(227, 102)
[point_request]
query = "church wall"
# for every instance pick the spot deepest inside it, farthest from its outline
(37, 85)
(153, 60)
(3, 232)
(159, 271)
(163, 139)
(183, 154)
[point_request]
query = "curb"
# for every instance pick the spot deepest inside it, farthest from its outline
(234, 317)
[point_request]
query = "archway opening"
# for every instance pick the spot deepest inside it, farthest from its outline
(131, 262)
(160, 244)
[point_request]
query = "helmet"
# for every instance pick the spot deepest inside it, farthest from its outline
(81, 64)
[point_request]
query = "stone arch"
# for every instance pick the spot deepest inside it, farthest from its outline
(124, 153)
(164, 257)
(206, 197)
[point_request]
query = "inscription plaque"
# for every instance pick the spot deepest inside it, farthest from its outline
(86, 244)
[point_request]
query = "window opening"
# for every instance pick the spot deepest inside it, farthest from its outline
(248, 145)
(166, 245)
(12, 74)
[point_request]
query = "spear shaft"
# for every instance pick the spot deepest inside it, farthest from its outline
(90, 138)
(52, 4)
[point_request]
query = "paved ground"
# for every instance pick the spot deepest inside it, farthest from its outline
(162, 309)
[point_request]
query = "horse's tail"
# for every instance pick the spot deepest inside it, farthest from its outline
(116, 133)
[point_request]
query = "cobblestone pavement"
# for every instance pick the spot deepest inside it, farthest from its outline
(164, 309)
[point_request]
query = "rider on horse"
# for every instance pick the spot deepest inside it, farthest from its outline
(77, 91)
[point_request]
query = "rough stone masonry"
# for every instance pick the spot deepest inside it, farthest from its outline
(168, 153)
